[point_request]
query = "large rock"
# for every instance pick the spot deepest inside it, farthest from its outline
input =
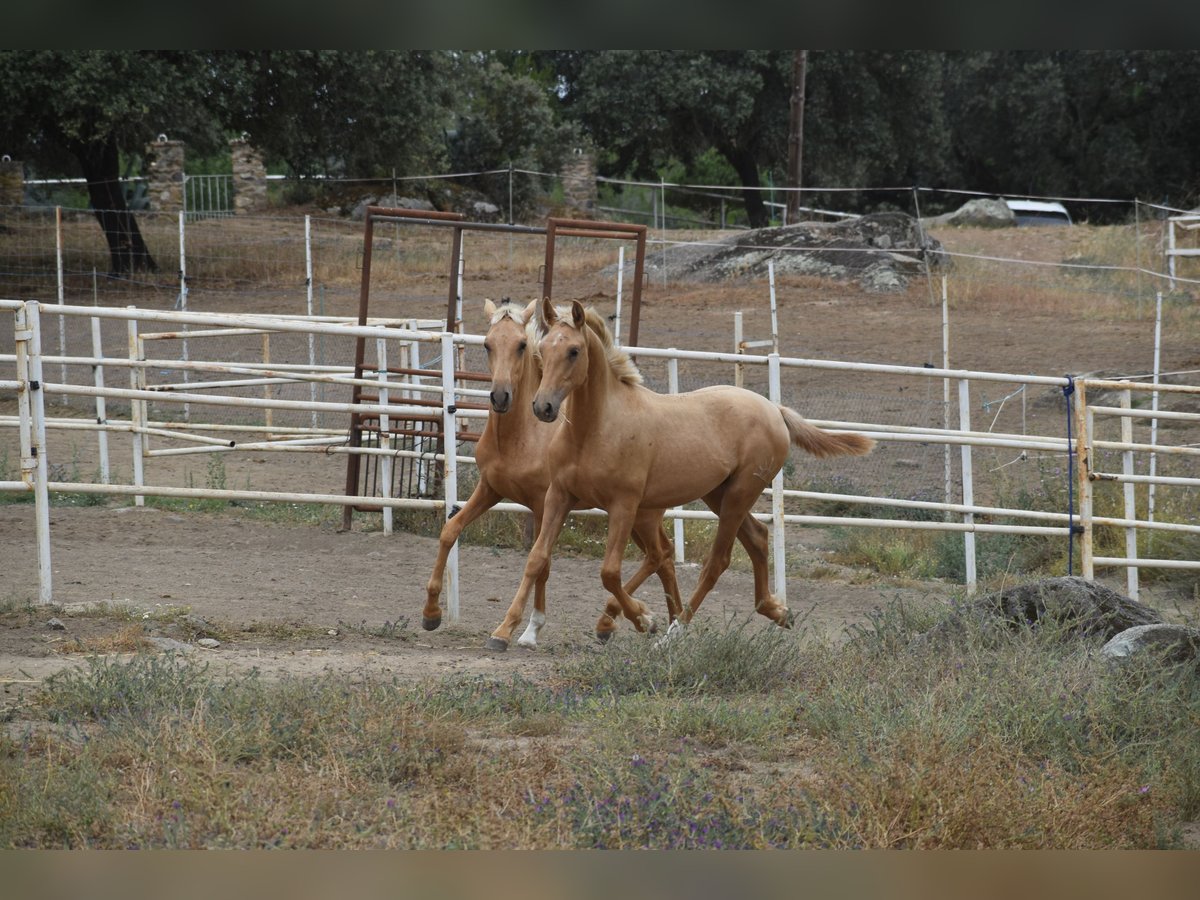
(391, 201)
(881, 251)
(980, 213)
(1169, 643)
(1077, 606)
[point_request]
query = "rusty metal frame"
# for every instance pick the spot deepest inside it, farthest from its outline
(458, 223)
(617, 230)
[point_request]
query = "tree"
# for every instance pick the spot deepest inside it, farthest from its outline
(504, 115)
(647, 106)
(360, 112)
(870, 117)
(90, 107)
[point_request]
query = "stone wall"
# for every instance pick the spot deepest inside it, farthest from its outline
(579, 182)
(12, 183)
(249, 178)
(164, 174)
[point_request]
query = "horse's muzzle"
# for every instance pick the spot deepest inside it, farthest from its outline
(545, 410)
(501, 400)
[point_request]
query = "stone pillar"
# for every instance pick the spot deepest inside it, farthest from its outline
(249, 178)
(164, 173)
(12, 182)
(579, 182)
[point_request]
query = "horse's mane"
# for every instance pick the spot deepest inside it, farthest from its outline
(618, 360)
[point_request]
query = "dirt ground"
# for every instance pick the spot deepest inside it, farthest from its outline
(289, 598)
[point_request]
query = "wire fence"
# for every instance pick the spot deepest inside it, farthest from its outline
(311, 266)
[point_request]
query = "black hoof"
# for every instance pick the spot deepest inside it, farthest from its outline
(788, 618)
(603, 636)
(431, 624)
(497, 644)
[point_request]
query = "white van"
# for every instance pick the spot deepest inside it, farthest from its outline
(1039, 212)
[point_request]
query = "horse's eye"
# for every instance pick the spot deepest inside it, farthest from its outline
(521, 346)
(574, 354)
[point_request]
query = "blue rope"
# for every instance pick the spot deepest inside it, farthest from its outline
(1068, 390)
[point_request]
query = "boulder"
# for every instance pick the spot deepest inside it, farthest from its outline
(880, 251)
(391, 202)
(1079, 607)
(979, 213)
(1169, 643)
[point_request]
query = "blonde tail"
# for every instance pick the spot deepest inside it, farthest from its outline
(821, 443)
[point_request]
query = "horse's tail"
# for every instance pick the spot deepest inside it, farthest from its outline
(821, 443)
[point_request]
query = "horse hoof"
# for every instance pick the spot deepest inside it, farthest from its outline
(431, 624)
(648, 625)
(788, 618)
(497, 644)
(603, 636)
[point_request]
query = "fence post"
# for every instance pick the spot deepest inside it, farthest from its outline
(778, 548)
(739, 369)
(62, 320)
(774, 314)
(1083, 478)
(34, 466)
(673, 388)
(183, 302)
(385, 462)
(136, 381)
(101, 410)
(968, 485)
(450, 478)
(1154, 408)
(949, 478)
(620, 282)
(268, 417)
(308, 308)
(1131, 547)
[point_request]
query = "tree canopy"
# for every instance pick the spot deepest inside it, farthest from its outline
(1101, 123)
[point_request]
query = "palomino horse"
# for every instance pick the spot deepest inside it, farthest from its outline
(625, 448)
(511, 458)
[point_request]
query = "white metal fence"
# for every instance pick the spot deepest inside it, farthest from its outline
(195, 387)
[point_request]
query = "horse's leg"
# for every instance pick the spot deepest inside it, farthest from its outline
(537, 621)
(656, 548)
(483, 498)
(754, 536)
(621, 519)
(666, 574)
(731, 502)
(537, 567)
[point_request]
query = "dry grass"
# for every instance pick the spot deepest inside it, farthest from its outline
(743, 737)
(128, 639)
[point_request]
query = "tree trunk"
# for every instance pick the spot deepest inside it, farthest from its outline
(127, 250)
(744, 164)
(796, 135)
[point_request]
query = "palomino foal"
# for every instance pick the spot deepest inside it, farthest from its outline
(511, 460)
(625, 448)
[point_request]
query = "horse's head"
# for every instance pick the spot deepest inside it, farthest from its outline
(506, 343)
(564, 352)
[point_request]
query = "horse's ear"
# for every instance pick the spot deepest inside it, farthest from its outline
(549, 316)
(578, 315)
(489, 309)
(530, 311)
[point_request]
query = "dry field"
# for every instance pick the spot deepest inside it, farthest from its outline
(288, 594)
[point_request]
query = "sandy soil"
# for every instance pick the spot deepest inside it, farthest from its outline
(304, 599)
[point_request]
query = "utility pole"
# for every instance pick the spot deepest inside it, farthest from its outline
(796, 135)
